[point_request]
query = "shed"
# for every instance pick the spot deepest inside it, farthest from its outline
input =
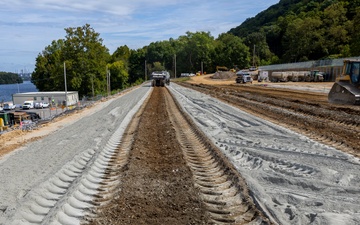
(57, 97)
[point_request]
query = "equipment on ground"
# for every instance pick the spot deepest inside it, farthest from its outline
(316, 76)
(263, 76)
(346, 89)
(282, 76)
(243, 77)
(160, 78)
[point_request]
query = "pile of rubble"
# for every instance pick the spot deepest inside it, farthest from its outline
(223, 75)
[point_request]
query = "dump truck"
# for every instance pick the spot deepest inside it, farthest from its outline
(316, 76)
(243, 77)
(346, 89)
(160, 78)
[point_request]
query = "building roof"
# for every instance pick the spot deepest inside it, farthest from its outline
(46, 93)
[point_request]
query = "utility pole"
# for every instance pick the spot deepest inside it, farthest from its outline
(109, 75)
(66, 104)
(202, 67)
(145, 71)
(107, 81)
(175, 65)
(254, 57)
(92, 85)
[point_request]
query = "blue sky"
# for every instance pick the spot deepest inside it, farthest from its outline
(28, 26)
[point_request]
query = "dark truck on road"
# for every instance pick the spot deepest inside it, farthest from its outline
(160, 78)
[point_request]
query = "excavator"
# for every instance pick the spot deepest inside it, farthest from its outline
(346, 89)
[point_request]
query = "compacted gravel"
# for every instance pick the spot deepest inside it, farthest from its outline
(191, 154)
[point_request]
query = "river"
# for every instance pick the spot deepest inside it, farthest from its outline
(7, 90)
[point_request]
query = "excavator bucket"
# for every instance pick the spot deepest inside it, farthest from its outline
(344, 93)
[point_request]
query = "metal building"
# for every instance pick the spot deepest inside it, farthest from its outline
(52, 97)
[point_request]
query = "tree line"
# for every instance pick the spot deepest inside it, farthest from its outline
(88, 63)
(303, 30)
(10, 78)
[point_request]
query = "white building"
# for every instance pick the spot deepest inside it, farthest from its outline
(56, 97)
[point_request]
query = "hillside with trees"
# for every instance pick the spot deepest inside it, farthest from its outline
(10, 78)
(302, 30)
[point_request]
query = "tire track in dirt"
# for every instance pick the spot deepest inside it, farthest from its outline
(173, 175)
(304, 112)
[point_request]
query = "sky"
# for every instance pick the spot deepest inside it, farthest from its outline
(28, 26)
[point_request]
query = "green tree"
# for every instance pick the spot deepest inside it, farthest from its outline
(303, 39)
(230, 51)
(118, 75)
(137, 66)
(10, 78)
(121, 53)
(336, 26)
(86, 59)
(49, 73)
(157, 66)
(355, 34)
(197, 50)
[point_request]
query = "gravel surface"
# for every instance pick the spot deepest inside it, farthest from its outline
(292, 178)
(26, 171)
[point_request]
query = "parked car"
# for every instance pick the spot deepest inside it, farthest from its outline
(45, 104)
(39, 105)
(9, 106)
(28, 105)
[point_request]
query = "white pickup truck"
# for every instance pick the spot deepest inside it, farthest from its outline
(28, 105)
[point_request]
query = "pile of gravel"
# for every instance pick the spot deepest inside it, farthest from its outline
(223, 75)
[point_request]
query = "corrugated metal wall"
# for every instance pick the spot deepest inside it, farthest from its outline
(332, 67)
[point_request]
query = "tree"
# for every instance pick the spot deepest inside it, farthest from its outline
(137, 65)
(230, 51)
(336, 26)
(197, 50)
(157, 66)
(303, 39)
(118, 75)
(355, 35)
(10, 78)
(121, 53)
(48, 74)
(85, 58)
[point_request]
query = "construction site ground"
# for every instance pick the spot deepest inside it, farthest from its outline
(154, 182)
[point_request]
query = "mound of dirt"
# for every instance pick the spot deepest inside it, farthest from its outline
(223, 75)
